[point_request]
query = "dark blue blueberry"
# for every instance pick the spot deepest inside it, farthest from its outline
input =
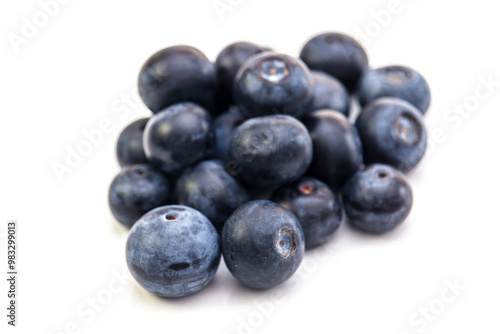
(392, 132)
(329, 93)
(173, 251)
(395, 81)
(177, 137)
(129, 148)
(337, 149)
(262, 244)
(222, 129)
(135, 191)
(377, 199)
(209, 188)
(271, 150)
(272, 83)
(338, 55)
(317, 208)
(178, 74)
(228, 63)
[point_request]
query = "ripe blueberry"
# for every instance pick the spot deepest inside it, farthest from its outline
(173, 251)
(338, 55)
(177, 137)
(395, 81)
(377, 199)
(272, 83)
(271, 150)
(135, 191)
(392, 132)
(317, 208)
(262, 244)
(177, 74)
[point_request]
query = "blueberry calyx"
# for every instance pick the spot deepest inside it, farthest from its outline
(407, 129)
(396, 74)
(307, 188)
(286, 243)
(274, 70)
(170, 217)
(141, 172)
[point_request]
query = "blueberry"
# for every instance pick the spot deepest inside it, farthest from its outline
(395, 81)
(271, 150)
(178, 74)
(208, 188)
(222, 129)
(329, 93)
(317, 208)
(135, 191)
(272, 83)
(377, 199)
(262, 244)
(129, 148)
(173, 251)
(228, 63)
(338, 55)
(337, 147)
(392, 132)
(177, 137)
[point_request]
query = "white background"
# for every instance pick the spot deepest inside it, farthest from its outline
(81, 68)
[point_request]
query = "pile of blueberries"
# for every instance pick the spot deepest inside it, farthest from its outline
(253, 156)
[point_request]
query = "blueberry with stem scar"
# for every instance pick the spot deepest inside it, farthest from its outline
(262, 244)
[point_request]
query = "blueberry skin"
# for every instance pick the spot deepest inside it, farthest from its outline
(338, 55)
(395, 81)
(178, 74)
(173, 251)
(136, 190)
(329, 93)
(227, 64)
(208, 188)
(177, 137)
(129, 148)
(317, 208)
(377, 199)
(392, 133)
(338, 154)
(262, 244)
(221, 131)
(271, 150)
(272, 83)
